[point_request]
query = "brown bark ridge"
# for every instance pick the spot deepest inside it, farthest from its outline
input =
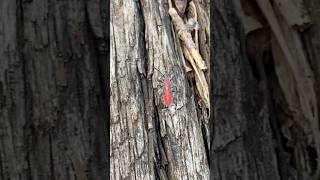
(149, 141)
(52, 73)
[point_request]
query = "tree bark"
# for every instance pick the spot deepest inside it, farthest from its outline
(148, 140)
(242, 146)
(266, 90)
(52, 89)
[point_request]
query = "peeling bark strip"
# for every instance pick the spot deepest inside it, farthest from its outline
(52, 116)
(148, 139)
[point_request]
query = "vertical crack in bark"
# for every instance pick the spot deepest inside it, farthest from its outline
(105, 74)
(155, 133)
(161, 158)
(99, 52)
(51, 157)
(1, 167)
(205, 141)
(27, 100)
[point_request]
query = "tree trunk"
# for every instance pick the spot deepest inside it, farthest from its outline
(264, 93)
(52, 89)
(264, 96)
(148, 140)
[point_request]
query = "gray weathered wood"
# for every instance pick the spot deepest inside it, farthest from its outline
(149, 141)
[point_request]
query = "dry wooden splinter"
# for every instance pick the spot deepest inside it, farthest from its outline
(186, 38)
(190, 49)
(201, 82)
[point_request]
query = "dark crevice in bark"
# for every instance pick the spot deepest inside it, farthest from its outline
(98, 49)
(149, 62)
(144, 82)
(158, 141)
(1, 168)
(68, 172)
(73, 170)
(105, 17)
(156, 169)
(143, 32)
(144, 91)
(26, 140)
(279, 149)
(26, 89)
(101, 141)
(51, 158)
(104, 69)
(79, 90)
(159, 164)
(161, 158)
(205, 140)
(312, 153)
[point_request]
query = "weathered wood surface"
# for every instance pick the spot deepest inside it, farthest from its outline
(53, 60)
(52, 111)
(149, 141)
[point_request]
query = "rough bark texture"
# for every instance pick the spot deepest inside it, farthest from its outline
(149, 141)
(266, 90)
(52, 89)
(242, 145)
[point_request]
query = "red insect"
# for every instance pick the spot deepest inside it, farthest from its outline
(167, 94)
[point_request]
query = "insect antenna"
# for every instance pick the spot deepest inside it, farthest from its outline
(162, 75)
